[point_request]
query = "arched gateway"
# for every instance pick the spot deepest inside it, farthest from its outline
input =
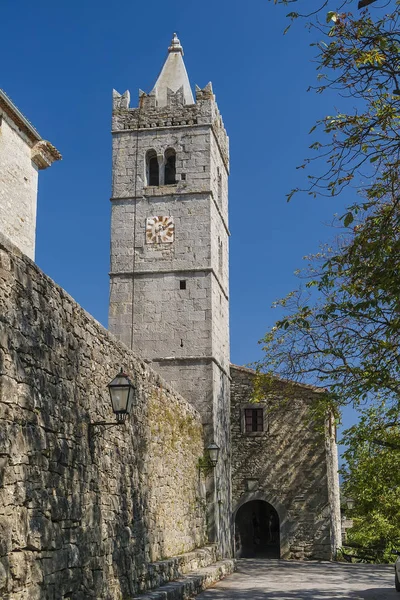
(257, 530)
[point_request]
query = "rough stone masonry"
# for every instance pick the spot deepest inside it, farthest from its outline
(80, 520)
(169, 296)
(290, 464)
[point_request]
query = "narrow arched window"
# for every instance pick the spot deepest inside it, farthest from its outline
(219, 186)
(170, 167)
(152, 170)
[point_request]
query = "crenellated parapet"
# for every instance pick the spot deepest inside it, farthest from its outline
(149, 115)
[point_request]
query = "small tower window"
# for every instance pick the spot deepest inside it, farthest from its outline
(170, 167)
(153, 174)
(182, 284)
(219, 186)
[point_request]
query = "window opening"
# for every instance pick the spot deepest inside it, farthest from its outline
(182, 284)
(170, 167)
(219, 186)
(153, 173)
(183, 176)
(220, 255)
(253, 419)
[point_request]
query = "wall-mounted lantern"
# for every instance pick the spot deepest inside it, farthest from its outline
(213, 454)
(211, 458)
(122, 394)
(350, 503)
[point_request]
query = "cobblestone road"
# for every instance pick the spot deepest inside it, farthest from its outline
(286, 580)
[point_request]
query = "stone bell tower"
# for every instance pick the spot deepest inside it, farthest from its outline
(169, 252)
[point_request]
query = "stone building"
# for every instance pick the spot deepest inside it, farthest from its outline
(22, 153)
(285, 492)
(115, 513)
(169, 299)
(87, 509)
(169, 252)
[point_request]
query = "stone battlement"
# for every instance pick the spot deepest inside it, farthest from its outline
(148, 115)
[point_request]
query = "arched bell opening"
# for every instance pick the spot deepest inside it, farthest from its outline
(257, 531)
(170, 167)
(152, 168)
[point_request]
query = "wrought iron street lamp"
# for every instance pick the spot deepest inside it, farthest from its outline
(213, 454)
(210, 459)
(122, 395)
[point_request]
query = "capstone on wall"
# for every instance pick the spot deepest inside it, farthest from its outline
(292, 465)
(82, 519)
(18, 186)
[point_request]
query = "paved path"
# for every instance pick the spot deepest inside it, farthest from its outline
(285, 580)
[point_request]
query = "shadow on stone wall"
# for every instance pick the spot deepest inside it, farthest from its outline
(223, 473)
(78, 521)
(288, 463)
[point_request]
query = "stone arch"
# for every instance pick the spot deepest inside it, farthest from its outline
(169, 166)
(281, 514)
(152, 168)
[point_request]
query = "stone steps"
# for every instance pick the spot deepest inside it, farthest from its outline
(159, 573)
(192, 583)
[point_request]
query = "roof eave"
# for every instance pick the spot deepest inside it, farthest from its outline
(18, 117)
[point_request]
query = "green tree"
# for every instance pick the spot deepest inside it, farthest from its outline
(341, 327)
(359, 56)
(372, 478)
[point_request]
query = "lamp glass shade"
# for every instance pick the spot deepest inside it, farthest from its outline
(121, 393)
(213, 453)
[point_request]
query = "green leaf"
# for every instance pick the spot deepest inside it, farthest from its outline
(348, 219)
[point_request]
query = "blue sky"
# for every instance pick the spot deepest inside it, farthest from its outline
(61, 61)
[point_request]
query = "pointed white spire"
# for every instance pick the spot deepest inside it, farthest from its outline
(173, 76)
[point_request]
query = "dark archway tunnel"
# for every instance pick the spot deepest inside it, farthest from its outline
(257, 531)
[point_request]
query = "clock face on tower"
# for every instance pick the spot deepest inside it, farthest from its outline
(160, 230)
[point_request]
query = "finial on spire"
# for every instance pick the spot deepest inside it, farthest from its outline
(175, 45)
(173, 77)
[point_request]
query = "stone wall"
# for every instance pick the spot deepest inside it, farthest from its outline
(291, 465)
(18, 186)
(77, 519)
